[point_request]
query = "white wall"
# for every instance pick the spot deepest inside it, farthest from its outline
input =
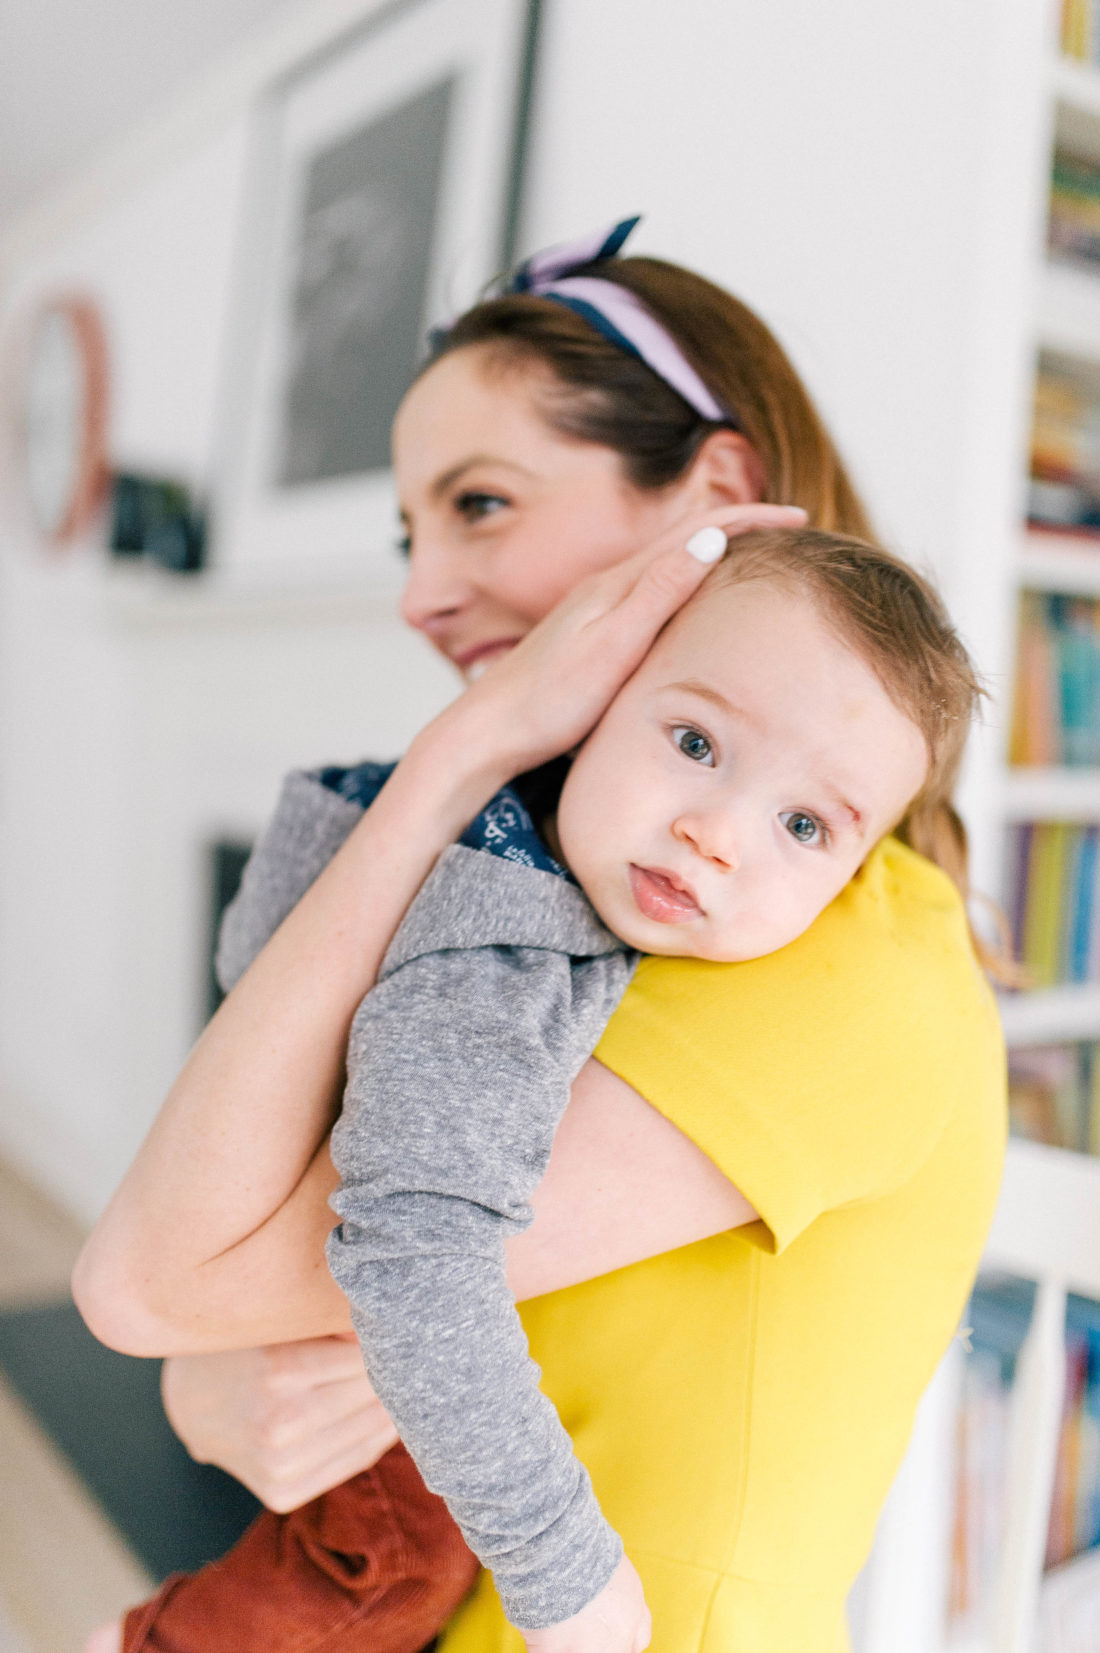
(854, 169)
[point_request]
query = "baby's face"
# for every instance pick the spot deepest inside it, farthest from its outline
(738, 780)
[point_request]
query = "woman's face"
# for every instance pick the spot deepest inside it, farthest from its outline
(503, 514)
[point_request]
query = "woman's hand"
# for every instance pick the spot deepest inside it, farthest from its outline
(616, 1621)
(290, 1421)
(548, 692)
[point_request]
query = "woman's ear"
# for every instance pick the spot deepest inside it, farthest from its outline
(727, 470)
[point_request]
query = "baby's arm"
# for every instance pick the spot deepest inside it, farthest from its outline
(496, 989)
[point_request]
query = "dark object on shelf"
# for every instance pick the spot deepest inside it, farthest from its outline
(156, 519)
(103, 1410)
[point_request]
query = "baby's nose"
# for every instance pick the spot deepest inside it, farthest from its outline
(713, 835)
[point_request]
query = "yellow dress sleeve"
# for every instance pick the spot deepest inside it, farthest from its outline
(823, 1074)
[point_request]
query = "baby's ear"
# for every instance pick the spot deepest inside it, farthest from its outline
(727, 470)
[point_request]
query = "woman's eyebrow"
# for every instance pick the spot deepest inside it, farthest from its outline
(447, 479)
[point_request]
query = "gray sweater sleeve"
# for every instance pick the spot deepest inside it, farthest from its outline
(494, 991)
(308, 827)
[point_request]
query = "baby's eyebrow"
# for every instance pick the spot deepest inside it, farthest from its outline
(855, 816)
(695, 685)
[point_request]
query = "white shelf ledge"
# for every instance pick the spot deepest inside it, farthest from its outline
(1076, 88)
(1060, 562)
(1069, 311)
(1051, 794)
(1052, 1015)
(1048, 1217)
(1077, 84)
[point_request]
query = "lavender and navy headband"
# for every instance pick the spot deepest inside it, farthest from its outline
(614, 311)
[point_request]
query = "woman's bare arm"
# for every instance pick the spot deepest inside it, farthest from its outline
(623, 1184)
(236, 1142)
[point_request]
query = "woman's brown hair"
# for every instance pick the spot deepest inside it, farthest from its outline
(597, 392)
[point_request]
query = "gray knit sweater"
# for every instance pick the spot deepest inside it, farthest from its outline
(495, 989)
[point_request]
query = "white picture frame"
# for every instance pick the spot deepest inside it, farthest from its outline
(381, 198)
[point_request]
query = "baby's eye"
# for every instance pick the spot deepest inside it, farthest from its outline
(694, 744)
(806, 828)
(473, 504)
(403, 544)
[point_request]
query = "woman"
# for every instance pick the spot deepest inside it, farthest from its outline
(799, 1155)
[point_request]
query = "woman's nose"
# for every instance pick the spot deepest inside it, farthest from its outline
(713, 835)
(435, 591)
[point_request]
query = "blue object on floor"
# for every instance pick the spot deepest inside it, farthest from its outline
(103, 1410)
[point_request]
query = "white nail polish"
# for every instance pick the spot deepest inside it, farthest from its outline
(707, 545)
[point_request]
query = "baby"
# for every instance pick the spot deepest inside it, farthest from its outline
(810, 699)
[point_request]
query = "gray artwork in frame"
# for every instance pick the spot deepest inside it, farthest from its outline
(363, 258)
(384, 192)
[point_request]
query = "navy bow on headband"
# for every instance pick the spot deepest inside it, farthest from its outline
(613, 310)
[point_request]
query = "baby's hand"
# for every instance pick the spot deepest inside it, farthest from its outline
(616, 1621)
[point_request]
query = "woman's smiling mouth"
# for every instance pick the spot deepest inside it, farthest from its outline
(472, 662)
(662, 897)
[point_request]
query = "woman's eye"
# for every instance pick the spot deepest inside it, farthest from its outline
(474, 505)
(403, 545)
(806, 828)
(694, 744)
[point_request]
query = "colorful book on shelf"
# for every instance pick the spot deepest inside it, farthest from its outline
(1044, 917)
(1079, 30)
(1083, 909)
(1052, 1095)
(1056, 706)
(1039, 1078)
(1074, 225)
(1075, 1504)
(1064, 491)
(1052, 899)
(999, 1315)
(1091, 1131)
(1034, 738)
(1062, 1530)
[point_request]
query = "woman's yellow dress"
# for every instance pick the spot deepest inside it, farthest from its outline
(742, 1404)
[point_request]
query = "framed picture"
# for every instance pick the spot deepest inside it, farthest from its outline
(382, 196)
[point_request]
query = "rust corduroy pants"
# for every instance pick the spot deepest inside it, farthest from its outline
(375, 1566)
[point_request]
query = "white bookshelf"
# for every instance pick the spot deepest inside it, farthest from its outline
(1047, 1226)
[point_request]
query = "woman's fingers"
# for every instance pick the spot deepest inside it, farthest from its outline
(551, 689)
(643, 594)
(355, 1452)
(328, 1458)
(281, 1419)
(731, 520)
